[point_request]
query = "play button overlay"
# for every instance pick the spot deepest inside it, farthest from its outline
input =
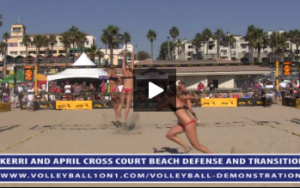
(154, 90)
(148, 84)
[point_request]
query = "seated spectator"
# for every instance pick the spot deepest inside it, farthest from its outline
(246, 95)
(226, 95)
(257, 94)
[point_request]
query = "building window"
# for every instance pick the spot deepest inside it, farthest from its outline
(233, 53)
(13, 53)
(61, 43)
(190, 53)
(223, 53)
(23, 53)
(190, 47)
(16, 30)
(87, 43)
(12, 45)
(244, 52)
(56, 44)
(21, 44)
(233, 46)
(244, 46)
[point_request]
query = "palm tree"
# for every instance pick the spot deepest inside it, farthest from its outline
(278, 44)
(297, 40)
(73, 38)
(45, 45)
(231, 40)
(52, 42)
(197, 42)
(104, 40)
(151, 36)
(81, 40)
(65, 39)
(163, 52)
(259, 41)
(126, 38)
(2, 47)
(113, 38)
(250, 37)
(291, 37)
(174, 32)
(26, 41)
(5, 37)
(38, 42)
(92, 52)
(99, 54)
(142, 55)
(219, 35)
(207, 34)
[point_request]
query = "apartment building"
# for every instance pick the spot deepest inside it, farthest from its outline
(239, 50)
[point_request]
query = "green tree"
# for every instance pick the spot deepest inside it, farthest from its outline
(219, 36)
(197, 42)
(207, 34)
(65, 39)
(174, 32)
(100, 55)
(142, 55)
(45, 45)
(113, 39)
(177, 44)
(73, 38)
(126, 39)
(297, 40)
(2, 47)
(151, 37)
(92, 52)
(52, 42)
(38, 42)
(278, 45)
(163, 52)
(104, 40)
(251, 38)
(26, 41)
(80, 41)
(230, 40)
(5, 37)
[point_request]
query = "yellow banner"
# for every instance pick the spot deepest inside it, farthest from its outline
(219, 102)
(5, 107)
(74, 105)
(298, 103)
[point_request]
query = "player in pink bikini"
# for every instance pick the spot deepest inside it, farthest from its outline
(127, 91)
(185, 122)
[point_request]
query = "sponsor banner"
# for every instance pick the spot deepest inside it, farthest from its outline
(219, 102)
(244, 102)
(28, 74)
(46, 105)
(105, 104)
(74, 105)
(298, 103)
(289, 102)
(5, 107)
(258, 101)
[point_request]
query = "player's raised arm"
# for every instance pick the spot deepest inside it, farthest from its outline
(132, 60)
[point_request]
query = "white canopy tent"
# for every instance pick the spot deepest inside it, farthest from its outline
(96, 73)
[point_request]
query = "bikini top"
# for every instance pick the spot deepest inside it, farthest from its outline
(113, 78)
(175, 109)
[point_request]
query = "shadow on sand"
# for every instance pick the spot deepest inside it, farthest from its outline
(8, 128)
(167, 150)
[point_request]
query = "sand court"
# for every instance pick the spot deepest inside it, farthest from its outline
(222, 130)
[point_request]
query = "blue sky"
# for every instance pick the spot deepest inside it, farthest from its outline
(138, 16)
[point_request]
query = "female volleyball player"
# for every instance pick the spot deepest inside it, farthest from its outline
(113, 82)
(127, 92)
(185, 122)
(182, 88)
